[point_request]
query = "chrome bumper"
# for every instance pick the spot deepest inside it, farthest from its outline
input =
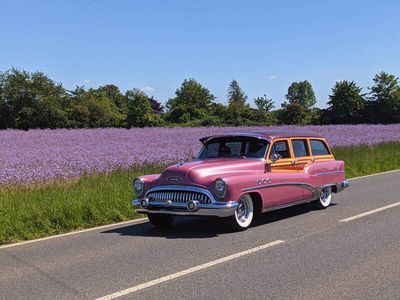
(342, 185)
(216, 209)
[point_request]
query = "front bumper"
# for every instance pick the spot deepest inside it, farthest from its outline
(215, 209)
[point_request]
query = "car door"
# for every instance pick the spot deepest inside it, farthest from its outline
(283, 182)
(302, 157)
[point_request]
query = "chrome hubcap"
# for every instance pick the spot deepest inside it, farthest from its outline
(242, 211)
(324, 197)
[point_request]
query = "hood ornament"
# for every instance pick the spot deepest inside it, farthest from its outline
(179, 165)
(174, 179)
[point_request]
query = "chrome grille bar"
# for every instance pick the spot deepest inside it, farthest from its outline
(178, 196)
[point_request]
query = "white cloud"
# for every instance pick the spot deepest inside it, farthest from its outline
(147, 89)
(87, 81)
(272, 77)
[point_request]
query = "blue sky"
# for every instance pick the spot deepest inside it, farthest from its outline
(154, 45)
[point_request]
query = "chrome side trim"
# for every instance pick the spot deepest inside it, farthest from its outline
(306, 186)
(181, 188)
(329, 173)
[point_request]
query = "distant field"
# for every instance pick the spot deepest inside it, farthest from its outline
(46, 155)
(38, 210)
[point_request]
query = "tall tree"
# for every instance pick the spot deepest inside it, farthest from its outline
(347, 104)
(385, 98)
(192, 102)
(264, 103)
(236, 95)
(301, 93)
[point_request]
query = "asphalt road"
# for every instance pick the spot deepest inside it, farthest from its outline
(313, 255)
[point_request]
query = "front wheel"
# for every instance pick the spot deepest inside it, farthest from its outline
(324, 199)
(243, 214)
(159, 220)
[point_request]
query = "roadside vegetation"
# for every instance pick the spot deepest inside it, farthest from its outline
(29, 212)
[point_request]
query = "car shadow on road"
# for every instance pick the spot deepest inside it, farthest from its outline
(205, 227)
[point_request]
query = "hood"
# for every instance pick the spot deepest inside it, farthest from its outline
(204, 172)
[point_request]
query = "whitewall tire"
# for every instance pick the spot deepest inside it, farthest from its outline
(324, 199)
(244, 213)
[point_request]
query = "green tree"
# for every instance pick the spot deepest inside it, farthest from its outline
(292, 113)
(113, 93)
(93, 108)
(192, 102)
(236, 95)
(347, 104)
(301, 93)
(385, 98)
(32, 100)
(140, 113)
(237, 110)
(264, 103)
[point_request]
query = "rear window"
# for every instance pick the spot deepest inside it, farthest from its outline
(300, 148)
(319, 147)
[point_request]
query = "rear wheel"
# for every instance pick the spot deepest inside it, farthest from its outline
(324, 199)
(160, 220)
(244, 213)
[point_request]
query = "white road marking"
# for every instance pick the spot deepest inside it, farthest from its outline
(72, 233)
(189, 271)
(375, 174)
(370, 212)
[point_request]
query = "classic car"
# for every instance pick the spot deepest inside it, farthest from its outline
(238, 175)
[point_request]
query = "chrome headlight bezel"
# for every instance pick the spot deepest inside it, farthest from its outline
(220, 187)
(138, 186)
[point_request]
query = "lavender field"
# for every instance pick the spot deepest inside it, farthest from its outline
(44, 155)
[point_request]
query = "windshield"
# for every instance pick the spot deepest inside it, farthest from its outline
(240, 147)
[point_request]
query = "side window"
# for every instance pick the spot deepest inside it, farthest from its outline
(300, 148)
(281, 148)
(319, 148)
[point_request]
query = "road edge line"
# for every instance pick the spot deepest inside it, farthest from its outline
(71, 233)
(375, 174)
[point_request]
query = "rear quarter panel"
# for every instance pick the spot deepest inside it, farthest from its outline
(324, 173)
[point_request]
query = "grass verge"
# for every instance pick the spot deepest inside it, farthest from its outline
(99, 199)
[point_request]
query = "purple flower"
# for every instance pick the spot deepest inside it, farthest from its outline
(44, 155)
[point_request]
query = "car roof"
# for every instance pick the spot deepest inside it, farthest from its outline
(266, 134)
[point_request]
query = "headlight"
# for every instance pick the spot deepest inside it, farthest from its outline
(138, 186)
(220, 188)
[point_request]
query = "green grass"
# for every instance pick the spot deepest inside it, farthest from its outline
(365, 160)
(43, 210)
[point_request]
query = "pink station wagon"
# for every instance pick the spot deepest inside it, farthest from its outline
(237, 175)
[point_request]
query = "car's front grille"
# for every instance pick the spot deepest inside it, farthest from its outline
(178, 196)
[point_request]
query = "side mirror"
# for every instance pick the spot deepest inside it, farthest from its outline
(274, 157)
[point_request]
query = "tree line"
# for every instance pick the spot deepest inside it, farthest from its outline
(33, 100)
